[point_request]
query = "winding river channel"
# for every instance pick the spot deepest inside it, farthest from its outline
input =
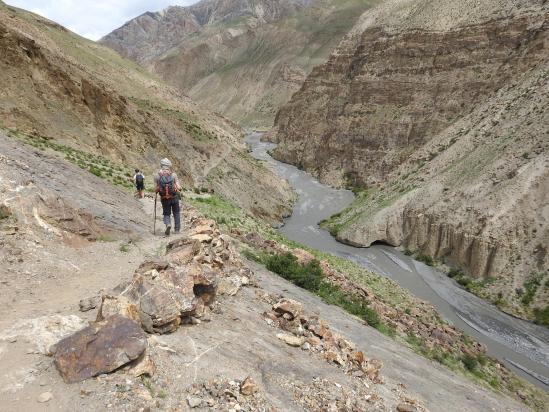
(522, 346)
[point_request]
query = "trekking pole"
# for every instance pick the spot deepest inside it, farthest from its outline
(154, 224)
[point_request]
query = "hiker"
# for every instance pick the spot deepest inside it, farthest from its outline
(167, 185)
(139, 181)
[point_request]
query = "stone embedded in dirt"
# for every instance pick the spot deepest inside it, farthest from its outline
(291, 339)
(45, 397)
(406, 407)
(99, 348)
(90, 303)
(194, 402)
(46, 331)
(288, 306)
(248, 387)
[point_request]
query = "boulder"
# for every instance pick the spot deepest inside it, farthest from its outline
(99, 348)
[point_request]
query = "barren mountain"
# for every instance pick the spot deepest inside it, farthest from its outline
(242, 58)
(435, 114)
(58, 87)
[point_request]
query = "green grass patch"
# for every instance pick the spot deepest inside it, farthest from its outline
(310, 277)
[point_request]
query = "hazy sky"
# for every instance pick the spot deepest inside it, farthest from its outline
(93, 18)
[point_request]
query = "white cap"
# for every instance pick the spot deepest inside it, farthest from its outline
(165, 162)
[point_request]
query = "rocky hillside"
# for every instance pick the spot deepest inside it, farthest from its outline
(435, 115)
(242, 58)
(61, 88)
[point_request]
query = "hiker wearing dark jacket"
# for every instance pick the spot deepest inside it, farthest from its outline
(139, 181)
(168, 187)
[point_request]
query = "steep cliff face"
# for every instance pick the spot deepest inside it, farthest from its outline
(59, 86)
(439, 124)
(242, 58)
(377, 100)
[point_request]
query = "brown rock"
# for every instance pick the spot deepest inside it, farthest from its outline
(117, 305)
(99, 348)
(288, 306)
(248, 387)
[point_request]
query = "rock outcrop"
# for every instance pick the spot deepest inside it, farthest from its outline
(227, 54)
(434, 113)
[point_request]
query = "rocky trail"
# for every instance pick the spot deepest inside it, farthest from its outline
(241, 338)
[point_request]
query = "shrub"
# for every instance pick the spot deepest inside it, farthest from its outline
(455, 273)
(541, 316)
(95, 171)
(310, 276)
(470, 362)
(530, 288)
(428, 260)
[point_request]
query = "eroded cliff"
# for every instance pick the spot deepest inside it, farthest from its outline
(438, 123)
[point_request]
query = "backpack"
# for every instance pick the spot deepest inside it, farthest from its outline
(166, 185)
(139, 179)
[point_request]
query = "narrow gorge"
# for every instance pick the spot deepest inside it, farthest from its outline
(437, 121)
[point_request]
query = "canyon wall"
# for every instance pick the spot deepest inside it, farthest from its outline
(437, 120)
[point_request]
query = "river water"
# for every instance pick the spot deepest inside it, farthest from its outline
(520, 345)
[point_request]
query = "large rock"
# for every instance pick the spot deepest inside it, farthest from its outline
(99, 348)
(163, 298)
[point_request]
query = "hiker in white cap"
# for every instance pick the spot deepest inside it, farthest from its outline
(167, 185)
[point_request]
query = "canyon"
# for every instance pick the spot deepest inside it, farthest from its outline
(437, 121)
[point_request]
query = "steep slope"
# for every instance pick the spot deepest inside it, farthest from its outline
(242, 58)
(437, 111)
(59, 86)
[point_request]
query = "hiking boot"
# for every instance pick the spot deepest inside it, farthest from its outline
(167, 231)
(177, 231)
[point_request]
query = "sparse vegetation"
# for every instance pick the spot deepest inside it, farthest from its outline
(117, 174)
(310, 277)
(124, 247)
(531, 286)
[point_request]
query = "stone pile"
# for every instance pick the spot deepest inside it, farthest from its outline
(232, 395)
(178, 288)
(314, 335)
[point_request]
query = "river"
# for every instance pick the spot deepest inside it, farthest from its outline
(520, 345)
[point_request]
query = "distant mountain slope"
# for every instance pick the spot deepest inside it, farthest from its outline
(60, 86)
(434, 112)
(242, 58)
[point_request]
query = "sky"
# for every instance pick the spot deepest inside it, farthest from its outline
(93, 18)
